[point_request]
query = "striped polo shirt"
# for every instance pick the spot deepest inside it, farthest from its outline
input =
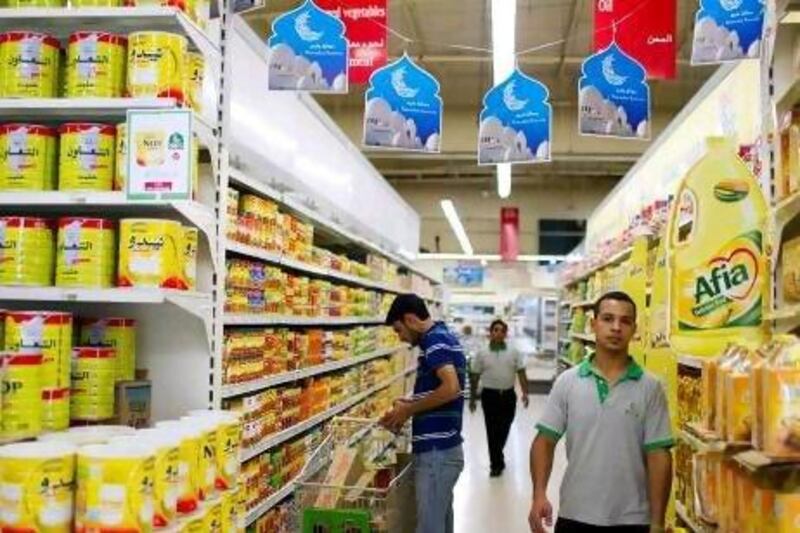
(440, 428)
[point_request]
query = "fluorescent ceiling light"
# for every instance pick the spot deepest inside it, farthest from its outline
(504, 180)
(504, 21)
(455, 223)
(494, 257)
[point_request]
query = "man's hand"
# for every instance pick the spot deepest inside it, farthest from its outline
(541, 515)
(397, 417)
(525, 401)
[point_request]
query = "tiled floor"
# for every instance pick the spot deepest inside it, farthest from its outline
(484, 504)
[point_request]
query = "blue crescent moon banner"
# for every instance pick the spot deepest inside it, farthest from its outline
(613, 96)
(403, 109)
(308, 52)
(727, 30)
(515, 123)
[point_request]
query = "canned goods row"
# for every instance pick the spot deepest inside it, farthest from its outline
(77, 156)
(180, 475)
(197, 10)
(102, 65)
(153, 253)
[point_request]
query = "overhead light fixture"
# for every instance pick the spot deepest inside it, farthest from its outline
(504, 26)
(495, 258)
(504, 180)
(504, 34)
(455, 223)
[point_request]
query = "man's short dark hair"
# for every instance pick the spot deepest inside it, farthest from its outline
(498, 322)
(617, 296)
(405, 304)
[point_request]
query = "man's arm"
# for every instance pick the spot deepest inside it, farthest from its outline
(522, 377)
(659, 486)
(541, 465)
(448, 390)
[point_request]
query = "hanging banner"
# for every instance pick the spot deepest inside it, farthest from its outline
(403, 109)
(727, 30)
(308, 52)
(647, 34)
(509, 233)
(516, 122)
(613, 96)
(366, 23)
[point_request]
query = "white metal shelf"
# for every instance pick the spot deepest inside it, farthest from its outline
(583, 337)
(60, 22)
(288, 434)
(307, 268)
(240, 389)
(283, 320)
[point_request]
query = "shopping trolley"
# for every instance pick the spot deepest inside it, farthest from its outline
(355, 505)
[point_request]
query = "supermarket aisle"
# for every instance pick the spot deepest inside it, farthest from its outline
(500, 504)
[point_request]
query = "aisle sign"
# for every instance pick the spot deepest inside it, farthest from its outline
(366, 23)
(463, 275)
(308, 52)
(403, 109)
(509, 233)
(515, 124)
(727, 30)
(647, 31)
(613, 98)
(159, 149)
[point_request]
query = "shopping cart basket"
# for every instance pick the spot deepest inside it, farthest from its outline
(374, 488)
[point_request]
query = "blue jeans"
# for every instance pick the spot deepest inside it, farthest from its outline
(436, 473)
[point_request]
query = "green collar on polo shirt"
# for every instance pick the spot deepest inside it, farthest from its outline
(633, 373)
(497, 346)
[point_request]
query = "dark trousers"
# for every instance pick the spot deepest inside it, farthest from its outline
(499, 407)
(564, 525)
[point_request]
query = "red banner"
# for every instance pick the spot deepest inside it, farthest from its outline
(366, 22)
(648, 34)
(509, 233)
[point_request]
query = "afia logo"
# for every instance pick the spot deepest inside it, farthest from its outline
(733, 276)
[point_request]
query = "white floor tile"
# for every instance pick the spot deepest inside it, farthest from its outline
(484, 504)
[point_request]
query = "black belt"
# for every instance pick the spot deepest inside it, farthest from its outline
(499, 391)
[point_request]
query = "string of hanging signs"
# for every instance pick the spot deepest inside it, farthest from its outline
(310, 50)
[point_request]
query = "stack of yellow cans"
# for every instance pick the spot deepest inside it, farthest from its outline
(117, 333)
(26, 251)
(93, 378)
(21, 395)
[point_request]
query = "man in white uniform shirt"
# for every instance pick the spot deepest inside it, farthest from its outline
(497, 366)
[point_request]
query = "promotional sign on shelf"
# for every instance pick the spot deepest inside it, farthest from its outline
(403, 109)
(515, 124)
(648, 33)
(159, 155)
(308, 51)
(464, 275)
(366, 23)
(727, 30)
(509, 233)
(613, 96)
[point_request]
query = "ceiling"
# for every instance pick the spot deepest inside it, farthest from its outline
(466, 73)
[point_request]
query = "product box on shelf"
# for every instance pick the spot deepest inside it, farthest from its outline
(132, 401)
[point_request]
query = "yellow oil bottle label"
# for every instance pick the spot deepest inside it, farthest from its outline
(36, 494)
(725, 291)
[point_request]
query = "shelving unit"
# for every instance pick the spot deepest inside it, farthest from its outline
(583, 337)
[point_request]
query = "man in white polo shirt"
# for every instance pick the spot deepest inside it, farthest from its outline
(497, 365)
(616, 423)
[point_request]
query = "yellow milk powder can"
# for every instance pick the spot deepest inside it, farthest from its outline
(156, 65)
(189, 463)
(28, 155)
(85, 252)
(212, 521)
(92, 393)
(228, 445)
(190, 257)
(26, 251)
(21, 395)
(95, 65)
(121, 157)
(28, 65)
(117, 333)
(207, 456)
(48, 332)
(38, 487)
(150, 254)
(86, 157)
(195, 72)
(55, 409)
(115, 488)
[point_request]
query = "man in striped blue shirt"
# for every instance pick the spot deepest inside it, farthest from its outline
(436, 409)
